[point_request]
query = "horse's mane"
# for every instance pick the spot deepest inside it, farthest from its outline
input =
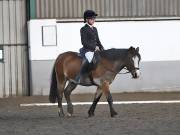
(114, 54)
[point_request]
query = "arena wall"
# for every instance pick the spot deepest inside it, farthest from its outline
(158, 42)
(66, 9)
(13, 48)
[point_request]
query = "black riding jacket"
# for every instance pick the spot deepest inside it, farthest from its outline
(90, 38)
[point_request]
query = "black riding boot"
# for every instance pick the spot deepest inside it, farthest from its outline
(84, 72)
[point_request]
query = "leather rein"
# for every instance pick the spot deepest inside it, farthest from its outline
(120, 71)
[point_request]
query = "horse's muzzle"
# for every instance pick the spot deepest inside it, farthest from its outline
(136, 73)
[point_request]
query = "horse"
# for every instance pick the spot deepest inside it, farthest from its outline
(111, 62)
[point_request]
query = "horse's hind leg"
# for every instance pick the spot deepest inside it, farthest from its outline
(67, 92)
(97, 97)
(61, 84)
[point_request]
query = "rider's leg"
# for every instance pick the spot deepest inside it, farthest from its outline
(83, 71)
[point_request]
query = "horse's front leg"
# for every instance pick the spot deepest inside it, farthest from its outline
(109, 98)
(97, 97)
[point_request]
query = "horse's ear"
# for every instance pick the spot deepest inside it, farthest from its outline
(137, 49)
(131, 48)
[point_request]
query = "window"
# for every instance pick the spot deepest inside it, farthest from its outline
(49, 35)
(1, 54)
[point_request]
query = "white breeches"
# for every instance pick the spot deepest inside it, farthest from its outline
(89, 56)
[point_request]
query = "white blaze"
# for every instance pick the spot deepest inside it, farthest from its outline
(136, 61)
(136, 64)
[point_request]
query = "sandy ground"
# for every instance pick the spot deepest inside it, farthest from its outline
(134, 119)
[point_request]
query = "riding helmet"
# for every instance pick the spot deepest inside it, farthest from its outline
(89, 14)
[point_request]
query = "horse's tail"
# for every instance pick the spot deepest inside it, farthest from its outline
(53, 87)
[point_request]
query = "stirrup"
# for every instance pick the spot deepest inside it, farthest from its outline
(74, 81)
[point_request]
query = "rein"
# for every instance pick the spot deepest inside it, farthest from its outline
(124, 72)
(120, 71)
(116, 72)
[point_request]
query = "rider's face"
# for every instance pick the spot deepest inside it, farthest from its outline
(91, 21)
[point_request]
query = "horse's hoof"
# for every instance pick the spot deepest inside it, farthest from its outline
(114, 114)
(70, 109)
(91, 114)
(69, 114)
(61, 114)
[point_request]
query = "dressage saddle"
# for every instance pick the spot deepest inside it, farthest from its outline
(85, 77)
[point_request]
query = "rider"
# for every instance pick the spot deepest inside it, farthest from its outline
(91, 43)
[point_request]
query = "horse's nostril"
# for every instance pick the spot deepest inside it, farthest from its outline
(135, 75)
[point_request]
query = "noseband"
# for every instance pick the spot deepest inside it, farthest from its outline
(128, 71)
(135, 68)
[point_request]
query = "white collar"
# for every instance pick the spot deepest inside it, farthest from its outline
(91, 26)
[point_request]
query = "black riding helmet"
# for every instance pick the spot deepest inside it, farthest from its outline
(88, 14)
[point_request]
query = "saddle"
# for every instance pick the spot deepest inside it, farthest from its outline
(87, 70)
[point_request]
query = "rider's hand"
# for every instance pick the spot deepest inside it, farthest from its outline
(97, 48)
(101, 48)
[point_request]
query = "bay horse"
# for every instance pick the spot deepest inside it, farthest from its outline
(111, 62)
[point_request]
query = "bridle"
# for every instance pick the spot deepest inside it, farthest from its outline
(127, 71)
(130, 70)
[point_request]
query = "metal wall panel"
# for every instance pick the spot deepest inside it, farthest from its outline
(107, 8)
(13, 79)
(1, 23)
(13, 22)
(13, 38)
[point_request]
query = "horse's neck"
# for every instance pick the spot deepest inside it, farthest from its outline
(114, 55)
(114, 66)
(118, 65)
(115, 58)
